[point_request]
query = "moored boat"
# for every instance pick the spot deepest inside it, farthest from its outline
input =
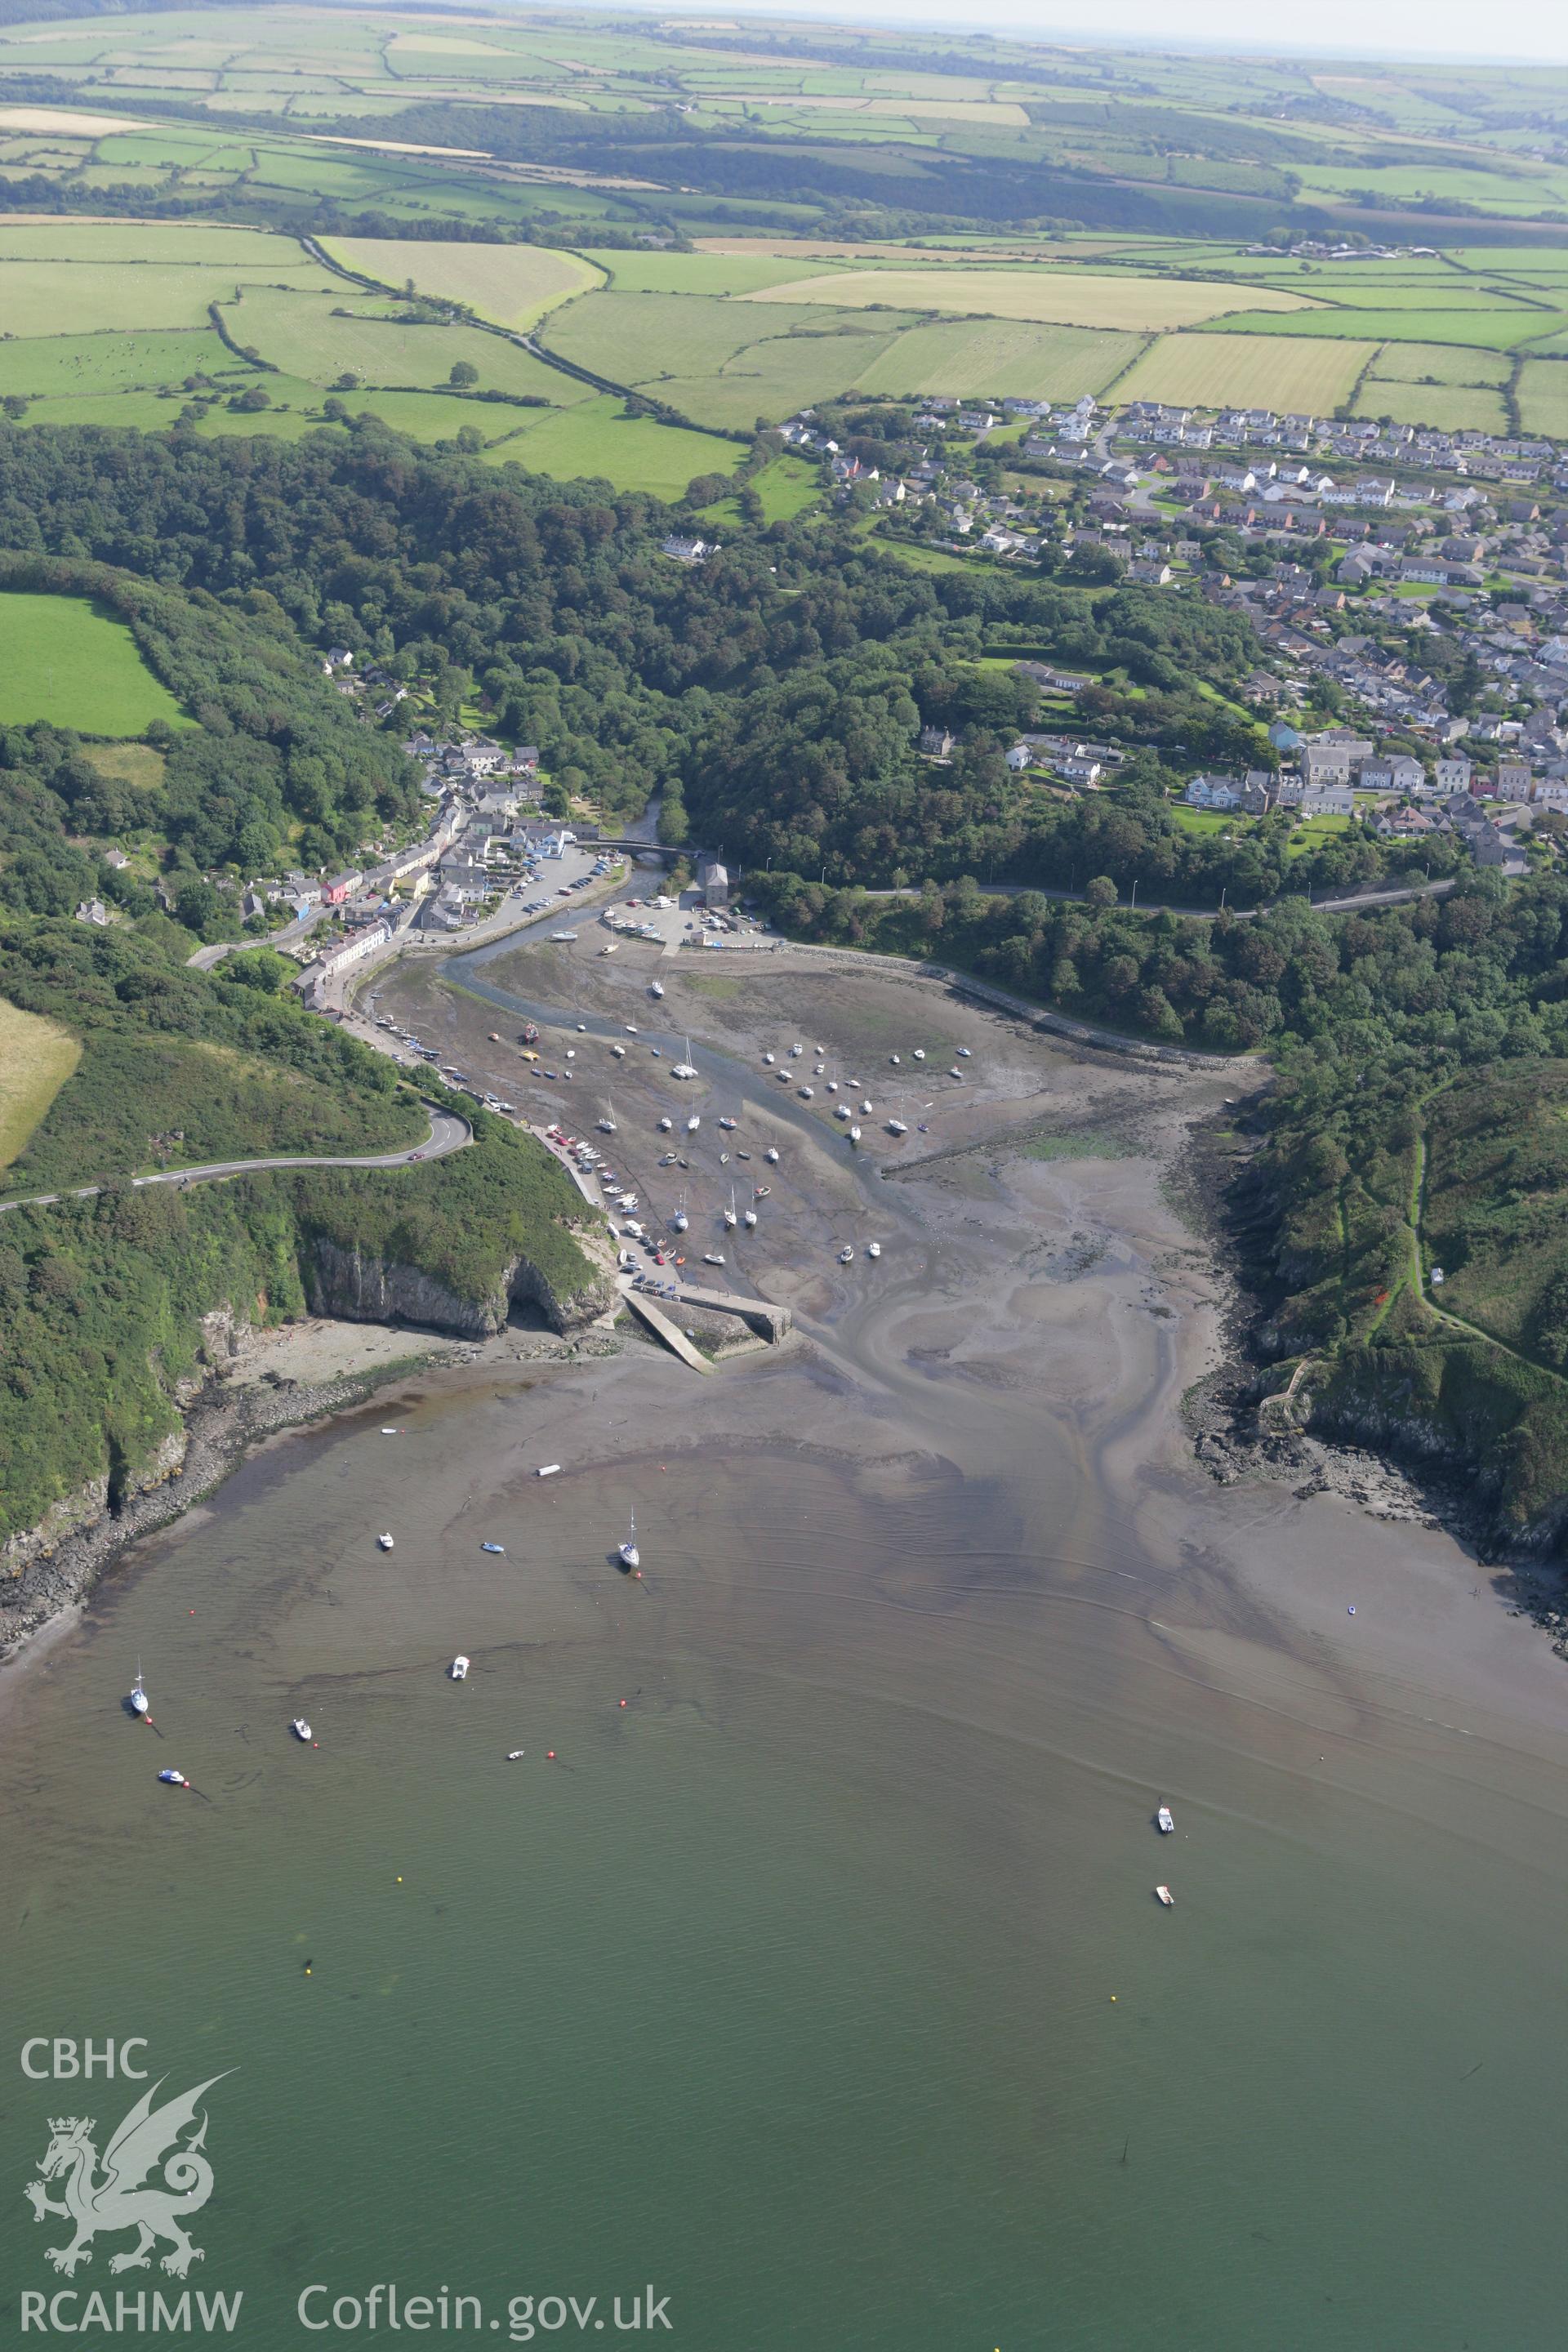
(493, 1547)
(1164, 1820)
(385, 1541)
(458, 1669)
(138, 1701)
(628, 1554)
(301, 1729)
(175, 1780)
(1166, 1897)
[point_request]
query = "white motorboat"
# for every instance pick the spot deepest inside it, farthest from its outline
(138, 1701)
(1164, 1820)
(693, 1123)
(618, 1052)
(894, 1059)
(655, 988)
(301, 1729)
(806, 1093)
(748, 1218)
(665, 1126)
(548, 1470)
(795, 1051)
(628, 1554)
(1166, 1897)
(713, 1257)
(458, 1669)
(842, 1110)
(873, 1249)
(920, 1053)
(833, 1086)
(782, 1077)
(819, 1069)
(515, 1755)
(854, 1135)
(955, 1072)
(898, 1127)
(771, 1156)
(729, 1125)
(846, 1256)
(384, 1540)
(964, 1054)
(769, 1059)
(865, 1110)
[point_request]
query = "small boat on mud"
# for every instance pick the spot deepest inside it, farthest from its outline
(1164, 1820)
(458, 1669)
(384, 1540)
(493, 1547)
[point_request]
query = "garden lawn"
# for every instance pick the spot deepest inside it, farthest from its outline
(65, 661)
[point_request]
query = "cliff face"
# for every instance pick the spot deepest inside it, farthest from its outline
(367, 1289)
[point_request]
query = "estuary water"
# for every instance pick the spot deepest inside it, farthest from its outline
(815, 1980)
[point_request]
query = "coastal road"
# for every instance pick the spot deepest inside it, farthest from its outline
(448, 1133)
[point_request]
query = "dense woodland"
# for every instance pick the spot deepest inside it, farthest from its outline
(774, 695)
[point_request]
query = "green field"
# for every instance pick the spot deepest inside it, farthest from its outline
(1447, 407)
(1412, 362)
(307, 335)
(1543, 397)
(36, 1058)
(597, 441)
(514, 285)
(1498, 331)
(53, 364)
(1208, 371)
(1000, 358)
(1065, 297)
(65, 660)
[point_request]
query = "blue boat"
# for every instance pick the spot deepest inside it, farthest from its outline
(500, 1548)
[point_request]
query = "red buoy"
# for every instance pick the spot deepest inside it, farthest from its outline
(550, 1755)
(623, 1701)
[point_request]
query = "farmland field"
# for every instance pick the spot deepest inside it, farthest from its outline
(512, 284)
(46, 297)
(1498, 331)
(1067, 297)
(1208, 371)
(1543, 396)
(598, 441)
(1447, 407)
(1409, 363)
(65, 660)
(110, 363)
(36, 1058)
(306, 335)
(1002, 358)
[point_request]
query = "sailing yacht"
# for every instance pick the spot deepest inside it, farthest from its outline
(748, 1218)
(680, 1222)
(687, 1068)
(607, 1120)
(628, 1554)
(138, 1701)
(730, 1219)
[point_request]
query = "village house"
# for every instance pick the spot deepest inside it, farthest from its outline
(935, 744)
(340, 889)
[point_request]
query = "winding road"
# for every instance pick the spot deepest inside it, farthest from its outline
(448, 1133)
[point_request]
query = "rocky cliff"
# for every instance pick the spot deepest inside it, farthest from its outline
(364, 1288)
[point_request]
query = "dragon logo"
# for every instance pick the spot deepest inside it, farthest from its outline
(147, 2140)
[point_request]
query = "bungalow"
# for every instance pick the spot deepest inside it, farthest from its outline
(1400, 824)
